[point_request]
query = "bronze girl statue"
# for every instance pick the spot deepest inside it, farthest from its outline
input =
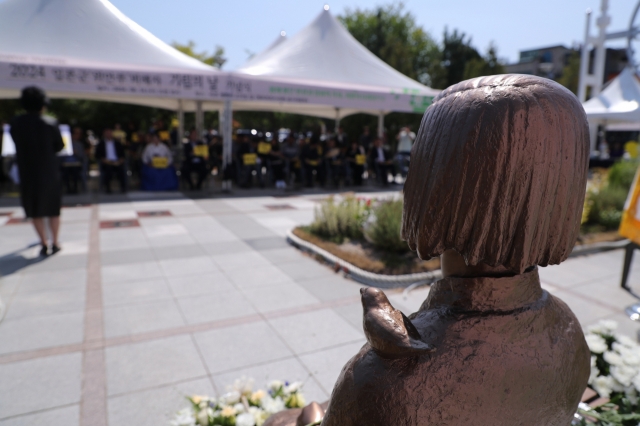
(496, 188)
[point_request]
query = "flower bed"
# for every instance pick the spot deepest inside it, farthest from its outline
(366, 234)
(615, 376)
(241, 406)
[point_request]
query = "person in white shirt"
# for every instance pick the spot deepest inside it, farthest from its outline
(405, 140)
(155, 148)
(405, 143)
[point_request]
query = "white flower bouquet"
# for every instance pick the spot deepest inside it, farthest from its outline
(615, 374)
(241, 406)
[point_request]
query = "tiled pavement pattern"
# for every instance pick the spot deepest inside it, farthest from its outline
(126, 320)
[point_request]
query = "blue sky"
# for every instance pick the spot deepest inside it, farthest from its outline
(242, 26)
(250, 25)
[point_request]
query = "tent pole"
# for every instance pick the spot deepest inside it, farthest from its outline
(381, 124)
(337, 120)
(199, 118)
(180, 123)
(593, 136)
(226, 119)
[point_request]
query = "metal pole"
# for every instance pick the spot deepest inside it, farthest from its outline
(180, 123)
(199, 118)
(227, 130)
(593, 136)
(226, 120)
(602, 22)
(584, 60)
(381, 124)
(632, 34)
(337, 120)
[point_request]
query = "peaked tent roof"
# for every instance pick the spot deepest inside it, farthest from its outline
(618, 102)
(87, 33)
(325, 54)
(257, 57)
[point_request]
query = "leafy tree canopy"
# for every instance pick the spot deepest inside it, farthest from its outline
(489, 64)
(216, 59)
(392, 34)
(571, 73)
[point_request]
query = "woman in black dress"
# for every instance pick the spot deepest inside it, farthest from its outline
(37, 143)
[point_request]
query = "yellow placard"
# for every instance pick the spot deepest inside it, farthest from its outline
(631, 148)
(361, 159)
(163, 135)
(159, 162)
(201, 151)
(313, 162)
(249, 159)
(630, 223)
(120, 135)
(264, 148)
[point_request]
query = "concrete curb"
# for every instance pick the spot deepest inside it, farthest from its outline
(360, 275)
(412, 280)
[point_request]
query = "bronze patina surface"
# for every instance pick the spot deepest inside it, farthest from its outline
(310, 414)
(495, 188)
(506, 353)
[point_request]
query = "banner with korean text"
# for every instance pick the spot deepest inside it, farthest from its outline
(207, 87)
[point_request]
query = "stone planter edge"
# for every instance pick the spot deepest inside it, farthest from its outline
(360, 275)
(396, 281)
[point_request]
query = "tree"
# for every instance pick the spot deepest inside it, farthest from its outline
(487, 65)
(392, 34)
(456, 51)
(571, 73)
(216, 59)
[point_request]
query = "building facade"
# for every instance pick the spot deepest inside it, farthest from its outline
(546, 62)
(550, 62)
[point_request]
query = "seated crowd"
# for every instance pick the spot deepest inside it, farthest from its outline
(155, 161)
(308, 160)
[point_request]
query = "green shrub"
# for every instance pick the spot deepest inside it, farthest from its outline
(384, 231)
(622, 173)
(337, 221)
(606, 206)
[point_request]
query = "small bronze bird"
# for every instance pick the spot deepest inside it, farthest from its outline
(389, 332)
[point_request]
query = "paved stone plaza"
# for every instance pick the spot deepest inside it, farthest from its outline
(153, 300)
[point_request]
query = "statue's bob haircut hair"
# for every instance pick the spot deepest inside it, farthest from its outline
(498, 173)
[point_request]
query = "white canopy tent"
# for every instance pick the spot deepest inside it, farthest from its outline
(88, 49)
(256, 58)
(324, 71)
(617, 104)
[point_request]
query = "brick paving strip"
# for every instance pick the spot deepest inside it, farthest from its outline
(92, 345)
(93, 402)
(99, 345)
